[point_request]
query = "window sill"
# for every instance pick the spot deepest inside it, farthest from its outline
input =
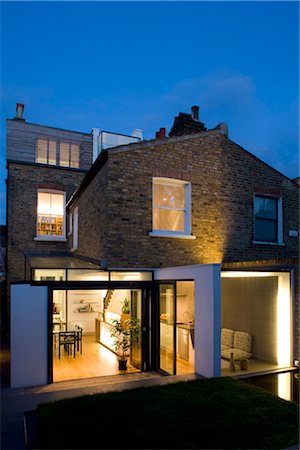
(50, 239)
(171, 235)
(269, 243)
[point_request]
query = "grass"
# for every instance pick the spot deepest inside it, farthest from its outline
(218, 413)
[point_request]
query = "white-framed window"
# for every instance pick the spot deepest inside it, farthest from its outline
(45, 151)
(68, 154)
(75, 229)
(51, 215)
(267, 219)
(171, 208)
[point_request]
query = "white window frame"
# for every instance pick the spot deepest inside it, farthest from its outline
(70, 231)
(49, 237)
(75, 230)
(186, 234)
(279, 220)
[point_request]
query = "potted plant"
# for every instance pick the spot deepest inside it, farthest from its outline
(125, 310)
(124, 334)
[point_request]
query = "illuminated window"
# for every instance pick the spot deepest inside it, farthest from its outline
(51, 214)
(69, 155)
(267, 219)
(171, 206)
(45, 151)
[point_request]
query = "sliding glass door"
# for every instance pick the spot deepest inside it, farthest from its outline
(176, 327)
(167, 329)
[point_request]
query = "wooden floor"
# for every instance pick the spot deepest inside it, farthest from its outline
(182, 366)
(95, 361)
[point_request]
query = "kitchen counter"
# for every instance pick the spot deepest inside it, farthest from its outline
(185, 326)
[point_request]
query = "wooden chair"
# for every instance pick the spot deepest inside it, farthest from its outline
(79, 338)
(69, 341)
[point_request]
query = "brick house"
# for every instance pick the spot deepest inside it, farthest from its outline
(200, 234)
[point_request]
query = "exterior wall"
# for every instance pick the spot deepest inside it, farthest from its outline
(92, 219)
(224, 178)
(207, 313)
(29, 335)
(22, 136)
(23, 182)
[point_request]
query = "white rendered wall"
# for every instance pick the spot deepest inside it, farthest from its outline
(28, 335)
(207, 313)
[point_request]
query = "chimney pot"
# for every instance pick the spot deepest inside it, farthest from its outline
(19, 111)
(195, 112)
(161, 134)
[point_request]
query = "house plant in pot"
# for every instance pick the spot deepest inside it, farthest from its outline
(124, 333)
(125, 310)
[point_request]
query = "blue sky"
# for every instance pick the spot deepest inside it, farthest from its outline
(125, 65)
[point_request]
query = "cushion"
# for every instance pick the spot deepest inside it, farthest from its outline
(242, 341)
(227, 337)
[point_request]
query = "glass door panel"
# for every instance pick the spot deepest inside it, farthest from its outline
(136, 314)
(166, 328)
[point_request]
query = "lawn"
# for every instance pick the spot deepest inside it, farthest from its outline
(218, 413)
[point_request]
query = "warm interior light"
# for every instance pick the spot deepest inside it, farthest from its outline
(241, 274)
(283, 335)
(283, 321)
(105, 336)
(284, 386)
(50, 204)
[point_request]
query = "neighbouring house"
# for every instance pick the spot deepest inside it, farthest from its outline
(190, 235)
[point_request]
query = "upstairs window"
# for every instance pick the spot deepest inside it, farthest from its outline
(267, 219)
(69, 155)
(171, 206)
(51, 215)
(45, 151)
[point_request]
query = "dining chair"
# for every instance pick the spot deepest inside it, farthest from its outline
(69, 342)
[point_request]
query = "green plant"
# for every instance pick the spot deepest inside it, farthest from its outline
(125, 306)
(124, 333)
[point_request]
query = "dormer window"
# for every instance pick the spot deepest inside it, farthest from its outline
(69, 154)
(45, 151)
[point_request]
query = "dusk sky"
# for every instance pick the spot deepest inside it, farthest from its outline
(124, 65)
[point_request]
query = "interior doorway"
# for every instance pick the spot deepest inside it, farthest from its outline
(86, 318)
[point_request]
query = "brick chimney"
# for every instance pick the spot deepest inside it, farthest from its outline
(19, 111)
(161, 134)
(187, 123)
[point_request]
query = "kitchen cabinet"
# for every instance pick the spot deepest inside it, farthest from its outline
(185, 344)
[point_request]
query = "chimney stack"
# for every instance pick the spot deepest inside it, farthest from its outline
(195, 112)
(19, 111)
(161, 134)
